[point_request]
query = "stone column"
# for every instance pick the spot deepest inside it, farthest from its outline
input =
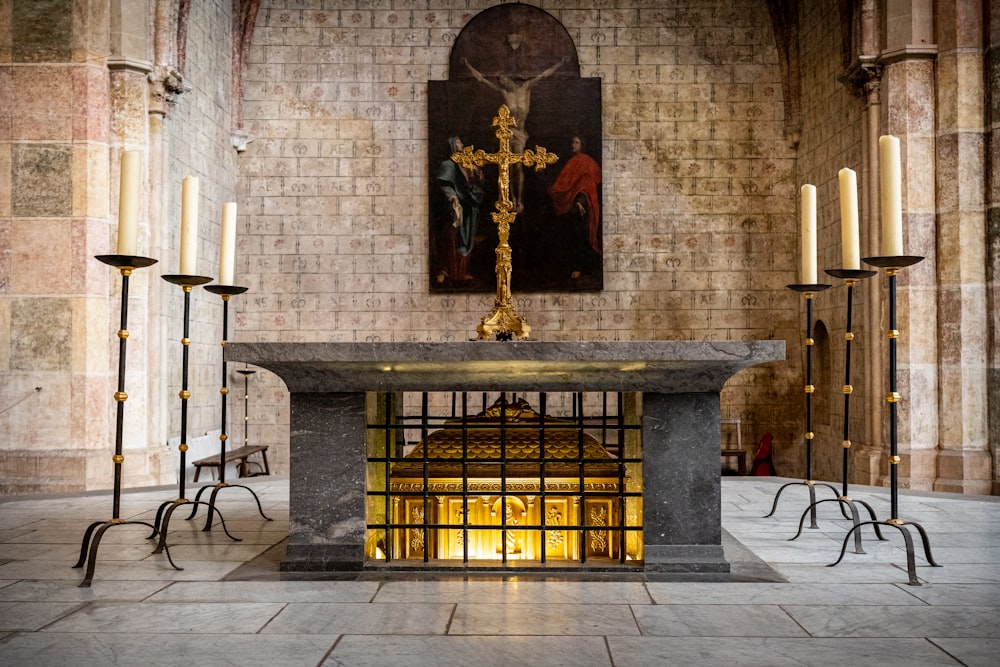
(964, 462)
(326, 528)
(908, 89)
(682, 501)
(992, 162)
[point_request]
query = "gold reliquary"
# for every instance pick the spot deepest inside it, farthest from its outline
(511, 484)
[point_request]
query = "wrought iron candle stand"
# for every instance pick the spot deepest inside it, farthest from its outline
(892, 265)
(167, 508)
(809, 290)
(851, 277)
(225, 291)
(126, 264)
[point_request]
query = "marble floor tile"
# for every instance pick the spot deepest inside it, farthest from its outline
(266, 591)
(774, 652)
(32, 615)
(117, 649)
(361, 618)
(514, 592)
(718, 620)
(68, 591)
(462, 651)
(780, 594)
(908, 621)
(948, 594)
(974, 652)
(138, 618)
(543, 619)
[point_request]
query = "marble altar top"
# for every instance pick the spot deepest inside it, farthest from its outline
(656, 366)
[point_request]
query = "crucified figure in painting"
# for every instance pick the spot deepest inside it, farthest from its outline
(517, 96)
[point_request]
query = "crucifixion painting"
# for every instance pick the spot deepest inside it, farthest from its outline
(521, 58)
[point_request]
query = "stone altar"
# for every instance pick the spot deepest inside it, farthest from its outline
(680, 382)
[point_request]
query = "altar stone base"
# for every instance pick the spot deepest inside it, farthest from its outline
(680, 384)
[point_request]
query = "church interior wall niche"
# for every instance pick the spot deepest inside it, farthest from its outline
(522, 57)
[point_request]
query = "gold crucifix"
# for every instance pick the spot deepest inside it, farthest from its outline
(503, 320)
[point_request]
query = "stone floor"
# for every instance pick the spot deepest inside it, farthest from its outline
(781, 605)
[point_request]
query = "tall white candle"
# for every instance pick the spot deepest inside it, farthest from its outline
(128, 203)
(809, 234)
(227, 243)
(849, 239)
(891, 184)
(189, 226)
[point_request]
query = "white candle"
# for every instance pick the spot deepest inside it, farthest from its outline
(189, 226)
(227, 243)
(809, 234)
(128, 203)
(850, 242)
(891, 183)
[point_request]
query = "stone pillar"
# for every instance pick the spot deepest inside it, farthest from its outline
(54, 216)
(964, 462)
(682, 501)
(908, 94)
(992, 162)
(326, 528)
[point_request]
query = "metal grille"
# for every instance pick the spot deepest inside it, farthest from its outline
(504, 480)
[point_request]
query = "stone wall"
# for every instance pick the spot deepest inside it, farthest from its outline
(54, 305)
(699, 196)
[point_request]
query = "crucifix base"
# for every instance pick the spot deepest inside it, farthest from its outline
(505, 323)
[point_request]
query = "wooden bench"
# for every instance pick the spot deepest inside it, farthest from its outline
(240, 454)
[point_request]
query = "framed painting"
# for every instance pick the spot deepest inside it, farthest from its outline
(521, 57)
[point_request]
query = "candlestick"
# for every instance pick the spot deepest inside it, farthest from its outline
(851, 277)
(126, 264)
(189, 226)
(226, 292)
(227, 244)
(809, 234)
(166, 509)
(849, 236)
(891, 184)
(128, 203)
(892, 265)
(808, 290)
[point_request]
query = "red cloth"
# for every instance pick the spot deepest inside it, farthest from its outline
(581, 175)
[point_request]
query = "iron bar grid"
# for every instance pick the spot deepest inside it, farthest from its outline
(603, 413)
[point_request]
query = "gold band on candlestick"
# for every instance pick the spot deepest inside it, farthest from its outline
(893, 397)
(848, 389)
(846, 444)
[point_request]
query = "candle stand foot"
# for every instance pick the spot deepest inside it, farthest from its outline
(855, 518)
(216, 488)
(167, 510)
(811, 485)
(88, 548)
(902, 527)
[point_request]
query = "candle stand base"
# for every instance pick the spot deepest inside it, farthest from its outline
(903, 528)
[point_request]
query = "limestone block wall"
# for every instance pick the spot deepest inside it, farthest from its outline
(699, 197)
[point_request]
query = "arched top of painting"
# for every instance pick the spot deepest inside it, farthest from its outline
(515, 40)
